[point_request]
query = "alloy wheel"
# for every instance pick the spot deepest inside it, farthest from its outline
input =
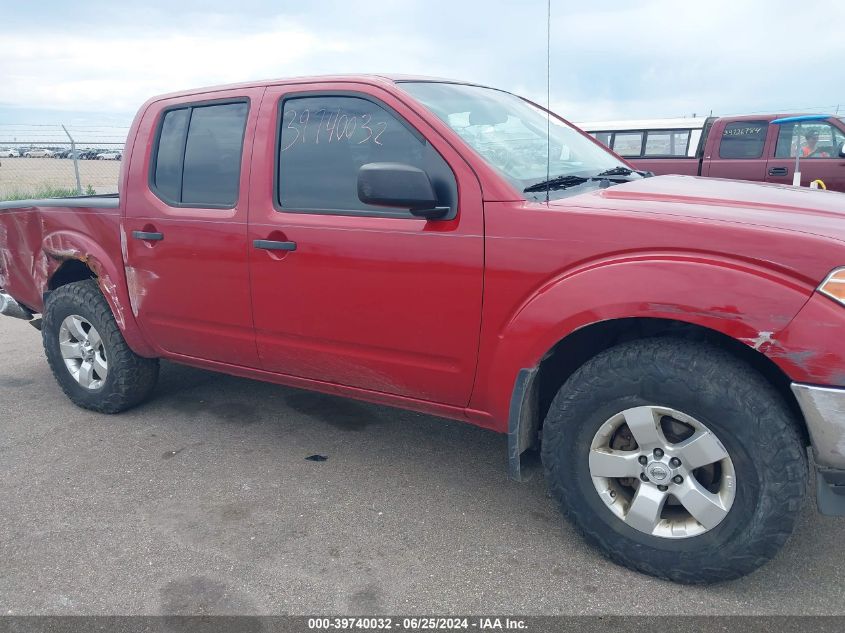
(662, 472)
(83, 352)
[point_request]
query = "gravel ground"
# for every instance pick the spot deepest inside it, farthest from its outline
(202, 501)
(29, 176)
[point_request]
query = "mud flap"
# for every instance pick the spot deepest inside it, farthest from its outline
(523, 421)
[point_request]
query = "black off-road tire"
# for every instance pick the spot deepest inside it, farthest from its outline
(130, 378)
(752, 420)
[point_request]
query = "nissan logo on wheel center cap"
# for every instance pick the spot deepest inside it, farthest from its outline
(657, 472)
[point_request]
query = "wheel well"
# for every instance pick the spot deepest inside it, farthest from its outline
(577, 348)
(69, 272)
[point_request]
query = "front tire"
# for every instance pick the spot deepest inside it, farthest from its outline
(87, 353)
(676, 459)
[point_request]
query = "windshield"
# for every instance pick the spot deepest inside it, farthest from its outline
(511, 135)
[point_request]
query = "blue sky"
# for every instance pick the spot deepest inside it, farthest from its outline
(93, 62)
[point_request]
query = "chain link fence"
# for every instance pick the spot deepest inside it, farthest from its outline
(43, 161)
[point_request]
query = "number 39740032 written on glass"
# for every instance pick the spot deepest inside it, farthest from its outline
(327, 126)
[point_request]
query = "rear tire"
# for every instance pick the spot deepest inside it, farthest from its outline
(736, 513)
(87, 352)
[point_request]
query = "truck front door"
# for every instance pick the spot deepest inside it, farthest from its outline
(819, 143)
(351, 294)
(185, 227)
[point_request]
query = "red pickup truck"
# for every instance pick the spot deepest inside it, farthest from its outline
(671, 344)
(747, 147)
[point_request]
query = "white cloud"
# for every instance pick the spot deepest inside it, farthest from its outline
(665, 58)
(652, 58)
(70, 71)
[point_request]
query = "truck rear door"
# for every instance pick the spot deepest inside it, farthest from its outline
(736, 149)
(819, 142)
(351, 294)
(185, 226)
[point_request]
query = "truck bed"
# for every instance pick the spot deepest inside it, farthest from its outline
(102, 201)
(39, 236)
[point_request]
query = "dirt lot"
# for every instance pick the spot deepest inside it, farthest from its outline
(202, 501)
(30, 176)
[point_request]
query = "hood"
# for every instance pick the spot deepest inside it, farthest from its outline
(779, 207)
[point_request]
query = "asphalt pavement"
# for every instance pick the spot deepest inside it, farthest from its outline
(202, 501)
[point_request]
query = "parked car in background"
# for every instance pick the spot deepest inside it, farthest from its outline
(109, 156)
(9, 153)
(741, 147)
(39, 153)
(671, 344)
(61, 153)
(89, 154)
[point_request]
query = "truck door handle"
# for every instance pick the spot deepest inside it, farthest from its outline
(271, 245)
(778, 171)
(148, 236)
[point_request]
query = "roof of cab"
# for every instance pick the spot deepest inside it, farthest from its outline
(372, 79)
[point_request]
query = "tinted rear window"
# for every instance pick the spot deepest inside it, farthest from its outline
(171, 143)
(743, 139)
(198, 161)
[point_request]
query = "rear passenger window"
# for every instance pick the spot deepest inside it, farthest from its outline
(167, 177)
(743, 139)
(324, 141)
(198, 157)
(667, 143)
(628, 143)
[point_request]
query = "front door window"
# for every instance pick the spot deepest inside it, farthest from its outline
(812, 139)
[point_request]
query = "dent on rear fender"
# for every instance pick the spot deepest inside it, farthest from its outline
(22, 258)
(60, 248)
(109, 290)
(28, 258)
(34, 244)
(138, 282)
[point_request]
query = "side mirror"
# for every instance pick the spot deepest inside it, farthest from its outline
(399, 185)
(842, 150)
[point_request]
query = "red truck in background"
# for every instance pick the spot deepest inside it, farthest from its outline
(671, 344)
(740, 147)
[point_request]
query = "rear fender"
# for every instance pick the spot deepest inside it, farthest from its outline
(61, 246)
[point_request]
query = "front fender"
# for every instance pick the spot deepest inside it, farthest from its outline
(812, 348)
(746, 302)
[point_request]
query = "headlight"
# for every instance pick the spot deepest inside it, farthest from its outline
(834, 285)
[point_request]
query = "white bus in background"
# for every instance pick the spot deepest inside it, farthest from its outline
(664, 139)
